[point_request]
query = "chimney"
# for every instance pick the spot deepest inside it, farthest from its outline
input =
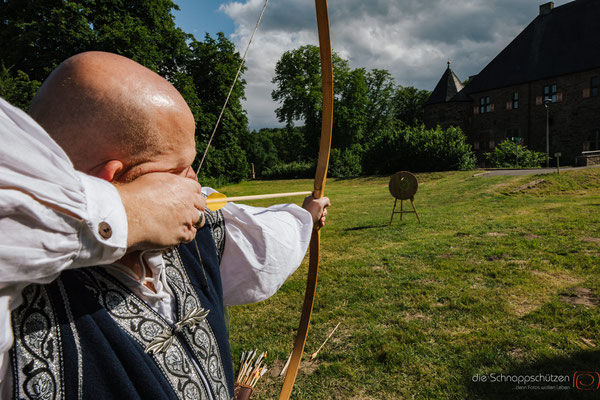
(546, 8)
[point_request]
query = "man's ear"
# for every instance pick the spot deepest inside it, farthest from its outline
(108, 170)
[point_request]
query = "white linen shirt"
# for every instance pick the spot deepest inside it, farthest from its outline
(272, 240)
(263, 246)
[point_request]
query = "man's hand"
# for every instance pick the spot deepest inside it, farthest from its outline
(162, 209)
(318, 209)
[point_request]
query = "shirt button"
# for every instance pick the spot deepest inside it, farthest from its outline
(104, 230)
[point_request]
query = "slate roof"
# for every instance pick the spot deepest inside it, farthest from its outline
(447, 88)
(563, 41)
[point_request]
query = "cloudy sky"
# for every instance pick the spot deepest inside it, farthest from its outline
(413, 39)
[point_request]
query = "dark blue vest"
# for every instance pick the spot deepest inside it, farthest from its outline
(86, 336)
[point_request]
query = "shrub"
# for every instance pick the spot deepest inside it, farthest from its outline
(225, 165)
(418, 149)
(509, 155)
(345, 163)
(271, 149)
(292, 170)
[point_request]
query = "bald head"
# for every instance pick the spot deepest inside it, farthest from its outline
(100, 107)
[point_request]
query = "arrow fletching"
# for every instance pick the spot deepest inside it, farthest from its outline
(216, 201)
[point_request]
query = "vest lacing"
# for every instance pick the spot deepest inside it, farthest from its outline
(163, 340)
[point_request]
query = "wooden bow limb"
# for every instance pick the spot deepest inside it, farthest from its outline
(319, 189)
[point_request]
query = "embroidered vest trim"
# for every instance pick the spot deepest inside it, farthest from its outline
(191, 364)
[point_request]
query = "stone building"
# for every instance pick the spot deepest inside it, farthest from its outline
(544, 84)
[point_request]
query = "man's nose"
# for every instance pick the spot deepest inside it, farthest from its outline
(189, 173)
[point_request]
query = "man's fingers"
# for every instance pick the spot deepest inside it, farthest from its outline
(189, 235)
(325, 202)
(195, 190)
(201, 220)
(317, 208)
(162, 209)
(200, 202)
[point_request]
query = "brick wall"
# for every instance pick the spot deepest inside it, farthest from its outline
(447, 114)
(574, 117)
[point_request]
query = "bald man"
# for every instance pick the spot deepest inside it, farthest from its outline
(152, 324)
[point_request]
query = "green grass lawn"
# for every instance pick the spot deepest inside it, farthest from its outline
(496, 280)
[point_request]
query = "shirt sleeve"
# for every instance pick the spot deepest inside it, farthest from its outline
(37, 180)
(263, 247)
(37, 241)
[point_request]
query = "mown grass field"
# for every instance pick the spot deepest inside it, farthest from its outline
(494, 281)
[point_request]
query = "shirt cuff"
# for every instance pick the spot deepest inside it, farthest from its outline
(104, 232)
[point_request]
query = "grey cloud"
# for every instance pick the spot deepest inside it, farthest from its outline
(290, 15)
(412, 39)
(475, 24)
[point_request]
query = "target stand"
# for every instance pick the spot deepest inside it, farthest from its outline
(403, 186)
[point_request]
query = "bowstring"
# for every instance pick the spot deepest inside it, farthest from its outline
(237, 75)
(232, 86)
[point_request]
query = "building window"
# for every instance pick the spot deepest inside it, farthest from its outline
(476, 145)
(593, 142)
(594, 84)
(515, 100)
(550, 93)
(492, 145)
(512, 133)
(484, 105)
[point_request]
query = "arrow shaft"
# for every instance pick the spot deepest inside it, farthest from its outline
(257, 197)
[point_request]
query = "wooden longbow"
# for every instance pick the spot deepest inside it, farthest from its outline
(319, 185)
(319, 189)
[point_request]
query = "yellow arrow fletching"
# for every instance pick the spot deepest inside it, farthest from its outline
(216, 201)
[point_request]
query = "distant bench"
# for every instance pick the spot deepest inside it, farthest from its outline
(588, 158)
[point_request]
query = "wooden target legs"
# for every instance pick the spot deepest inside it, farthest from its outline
(412, 203)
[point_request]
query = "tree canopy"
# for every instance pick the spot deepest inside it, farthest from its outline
(36, 36)
(373, 116)
(377, 124)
